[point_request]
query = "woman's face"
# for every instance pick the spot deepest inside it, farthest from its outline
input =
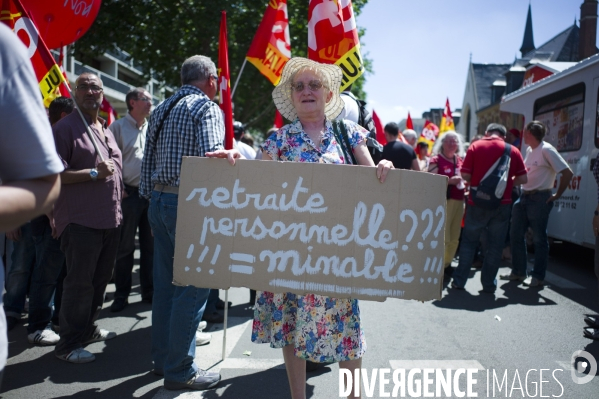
(308, 94)
(450, 145)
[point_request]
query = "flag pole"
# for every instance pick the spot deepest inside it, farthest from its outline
(22, 9)
(238, 76)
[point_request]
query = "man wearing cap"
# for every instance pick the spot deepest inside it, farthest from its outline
(87, 217)
(513, 137)
(532, 209)
(245, 150)
(479, 159)
(186, 124)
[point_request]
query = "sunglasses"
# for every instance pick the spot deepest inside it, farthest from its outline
(95, 89)
(313, 85)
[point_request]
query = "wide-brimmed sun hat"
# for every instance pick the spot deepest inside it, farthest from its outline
(333, 75)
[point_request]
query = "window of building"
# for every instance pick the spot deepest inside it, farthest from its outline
(563, 114)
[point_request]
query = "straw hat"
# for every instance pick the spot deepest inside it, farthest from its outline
(332, 74)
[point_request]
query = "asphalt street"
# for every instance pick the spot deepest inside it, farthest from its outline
(517, 343)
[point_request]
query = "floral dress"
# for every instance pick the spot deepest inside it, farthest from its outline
(321, 329)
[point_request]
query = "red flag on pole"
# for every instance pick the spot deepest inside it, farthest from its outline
(409, 123)
(333, 37)
(107, 112)
(47, 72)
(380, 132)
(447, 120)
(278, 120)
(224, 85)
(271, 48)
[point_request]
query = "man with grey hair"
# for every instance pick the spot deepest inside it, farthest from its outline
(130, 135)
(87, 216)
(186, 124)
(481, 157)
(411, 136)
(543, 163)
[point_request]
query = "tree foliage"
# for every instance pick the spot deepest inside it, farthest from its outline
(160, 34)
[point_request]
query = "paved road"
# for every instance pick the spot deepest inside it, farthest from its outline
(512, 334)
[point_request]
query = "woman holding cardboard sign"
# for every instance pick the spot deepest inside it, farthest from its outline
(312, 327)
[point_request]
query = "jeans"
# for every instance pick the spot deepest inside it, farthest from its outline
(135, 214)
(530, 210)
(176, 311)
(48, 268)
(477, 220)
(19, 272)
(90, 255)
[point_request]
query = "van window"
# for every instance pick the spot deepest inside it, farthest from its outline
(563, 113)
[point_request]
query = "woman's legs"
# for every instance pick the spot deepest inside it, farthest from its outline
(296, 373)
(352, 365)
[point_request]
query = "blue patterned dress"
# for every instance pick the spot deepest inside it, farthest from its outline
(321, 329)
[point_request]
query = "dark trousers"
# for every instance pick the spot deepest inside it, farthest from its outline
(47, 270)
(90, 255)
(135, 214)
(19, 273)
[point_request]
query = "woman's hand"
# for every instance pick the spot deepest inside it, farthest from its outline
(231, 155)
(382, 169)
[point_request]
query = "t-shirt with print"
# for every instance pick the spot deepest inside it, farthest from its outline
(482, 154)
(447, 168)
(543, 164)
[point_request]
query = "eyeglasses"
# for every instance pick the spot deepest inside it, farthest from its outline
(313, 85)
(145, 99)
(95, 89)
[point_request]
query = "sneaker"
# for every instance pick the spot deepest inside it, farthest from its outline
(592, 321)
(202, 380)
(202, 338)
(592, 333)
(512, 277)
(118, 304)
(533, 282)
(77, 356)
(43, 337)
(220, 304)
(100, 335)
(202, 326)
(213, 317)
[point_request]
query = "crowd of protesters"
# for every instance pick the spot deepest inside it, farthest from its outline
(122, 182)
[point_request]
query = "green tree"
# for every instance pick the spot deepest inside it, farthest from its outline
(160, 34)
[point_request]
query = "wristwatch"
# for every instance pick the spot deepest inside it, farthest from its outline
(93, 173)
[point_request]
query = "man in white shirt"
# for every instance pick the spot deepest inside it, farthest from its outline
(130, 135)
(532, 209)
(245, 150)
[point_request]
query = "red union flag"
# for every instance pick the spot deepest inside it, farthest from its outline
(429, 134)
(447, 120)
(224, 86)
(333, 37)
(47, 72)
(271, 47)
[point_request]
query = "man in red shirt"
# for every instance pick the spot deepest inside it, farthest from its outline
(480, 157)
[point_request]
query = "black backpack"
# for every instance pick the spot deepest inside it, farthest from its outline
(489, 192)
(365, 120)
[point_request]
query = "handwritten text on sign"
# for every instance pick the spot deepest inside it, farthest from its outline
(328, 229)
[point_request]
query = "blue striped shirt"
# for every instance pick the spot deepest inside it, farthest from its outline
(193, 127)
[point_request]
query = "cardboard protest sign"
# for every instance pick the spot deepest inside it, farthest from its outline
(328, 229)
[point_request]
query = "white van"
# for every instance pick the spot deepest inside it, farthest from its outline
(567, 103)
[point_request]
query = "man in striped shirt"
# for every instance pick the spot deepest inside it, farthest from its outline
(186, 124)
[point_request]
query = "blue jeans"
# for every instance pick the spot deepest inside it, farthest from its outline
(48, 268)
(530, 210)
(17, 278)
(176, 311)
(135, 214)
(477, 220)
